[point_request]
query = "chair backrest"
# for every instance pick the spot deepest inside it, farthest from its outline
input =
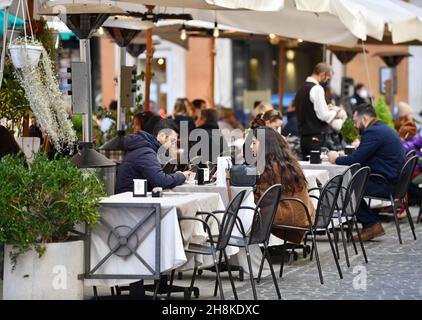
(264, 214)
(405, 178)
(354, 192)
(347, 176)
(410, 154)
(327, 202)
(229, 220)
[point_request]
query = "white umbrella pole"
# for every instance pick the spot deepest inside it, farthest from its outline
(85, 56)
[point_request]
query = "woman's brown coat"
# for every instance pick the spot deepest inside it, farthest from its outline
(289, 212)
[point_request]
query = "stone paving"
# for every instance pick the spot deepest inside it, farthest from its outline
(393, 272)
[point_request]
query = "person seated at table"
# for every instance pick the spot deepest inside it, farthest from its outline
(380, 149)
(282, 167)
(142, 160)
(216, 144)
(140, 119)
(183, 114)
(8, 145)
(273, 119)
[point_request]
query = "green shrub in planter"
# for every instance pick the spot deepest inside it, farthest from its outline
(42, 203)
(349, 132)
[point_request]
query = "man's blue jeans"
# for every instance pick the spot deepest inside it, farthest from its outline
(365, 214)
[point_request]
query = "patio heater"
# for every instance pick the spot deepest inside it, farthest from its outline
(392, 60)
(115, 149)
(84, 26)
(345, 55)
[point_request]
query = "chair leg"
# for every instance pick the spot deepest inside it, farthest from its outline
(157, 287)
(335, 233)
(217, 271)
(261, 266)
(171, 282)
(251, 272)
(216, 278)
(192, 282)
(94, 288)
(312, 252)
(350, 231)
(230, 275)
(396, 220)
(321, 279)
(360, 240)
(409, 217)
(334, 255)
(283, 253)
(346, 253)
(267, 255)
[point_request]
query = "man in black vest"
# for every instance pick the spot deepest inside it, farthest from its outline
(313, 113)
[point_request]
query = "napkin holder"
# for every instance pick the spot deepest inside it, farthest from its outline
(139, 188)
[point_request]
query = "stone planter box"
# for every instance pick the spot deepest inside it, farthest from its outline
(54, 276)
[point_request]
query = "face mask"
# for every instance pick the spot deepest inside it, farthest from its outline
(363, 94)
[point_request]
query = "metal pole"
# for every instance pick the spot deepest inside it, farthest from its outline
(122, 54)
(85, 56)
(212, 76)
(392, 88)
(281, 71)
(150, 54)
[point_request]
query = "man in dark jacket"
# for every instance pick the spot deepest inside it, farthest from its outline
(142, 160)
(381, 150)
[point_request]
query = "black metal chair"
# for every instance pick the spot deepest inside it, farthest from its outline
(323, 215)
(263, 218)
(397, 193)
(410, 154)
(353, 195)
(211, 247)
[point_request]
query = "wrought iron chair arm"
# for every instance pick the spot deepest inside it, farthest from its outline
(209, 215)
(205, 225)
(308, 216)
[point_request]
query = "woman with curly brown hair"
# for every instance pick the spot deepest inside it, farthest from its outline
(281, 166)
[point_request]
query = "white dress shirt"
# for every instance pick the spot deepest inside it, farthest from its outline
(317, 97)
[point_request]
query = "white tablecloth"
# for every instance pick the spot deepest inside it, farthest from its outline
(173, 205)
(333, 169)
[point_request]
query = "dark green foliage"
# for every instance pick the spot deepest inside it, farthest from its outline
(42, 203)
(349, 132)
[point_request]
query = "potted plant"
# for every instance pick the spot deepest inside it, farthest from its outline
(40, 205)
(383, 112)
(25, 52)
(349, 132)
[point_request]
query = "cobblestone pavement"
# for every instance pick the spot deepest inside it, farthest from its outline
(393, 272)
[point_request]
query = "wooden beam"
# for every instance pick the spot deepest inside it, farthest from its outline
(281, 72)
(148, 62)
(212, 76)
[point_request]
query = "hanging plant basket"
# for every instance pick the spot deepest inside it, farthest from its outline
(24, 55)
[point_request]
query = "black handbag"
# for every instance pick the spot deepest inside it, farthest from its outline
(243, 175)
